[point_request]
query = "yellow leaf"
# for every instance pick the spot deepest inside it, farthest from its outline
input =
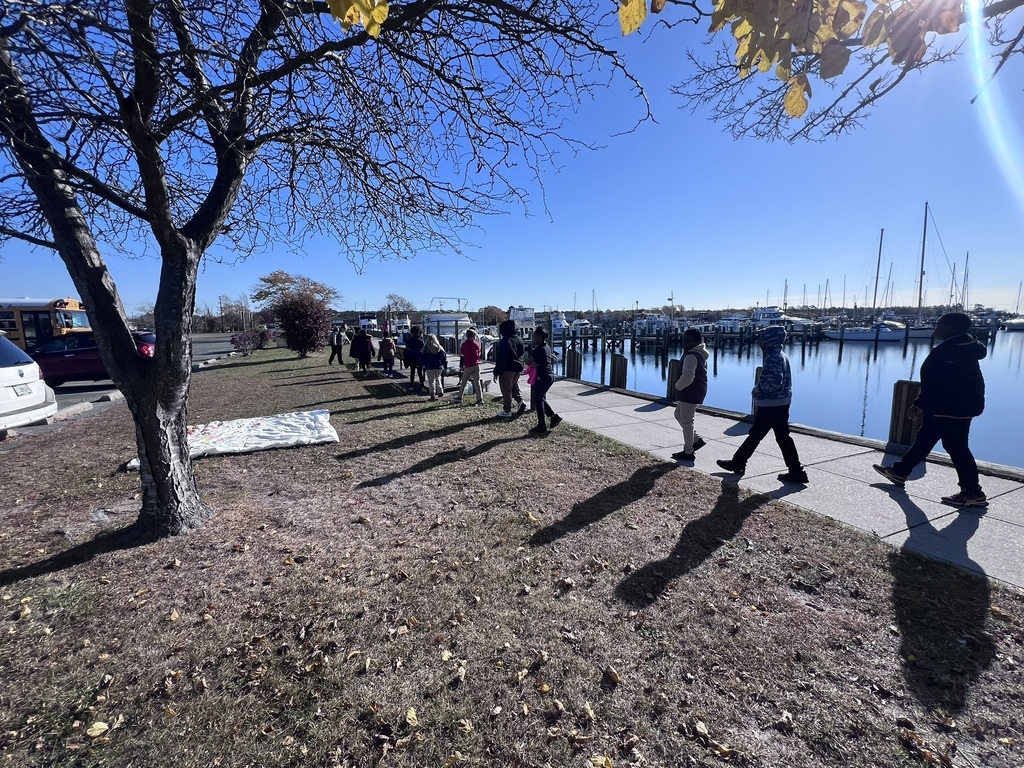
(97, 729)
(795, 102)
(410, 717)
(849, 16)
(874, 28)
(834, 58)
(601, 761)
(631, 15)
(174, 616)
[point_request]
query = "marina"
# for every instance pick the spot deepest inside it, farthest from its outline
(846, 390)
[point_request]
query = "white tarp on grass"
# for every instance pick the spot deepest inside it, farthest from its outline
(282, 430)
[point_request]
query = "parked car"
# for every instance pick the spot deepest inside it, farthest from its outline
(24, 397)
(75, 357)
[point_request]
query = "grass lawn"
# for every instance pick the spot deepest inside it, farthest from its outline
(443, 588)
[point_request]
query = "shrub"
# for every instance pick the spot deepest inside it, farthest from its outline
(247, 342)
(305, 321)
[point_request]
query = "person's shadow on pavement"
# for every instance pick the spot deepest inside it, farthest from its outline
(698, 540)
(940, 609)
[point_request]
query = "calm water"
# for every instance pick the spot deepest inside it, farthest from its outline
(852, 395)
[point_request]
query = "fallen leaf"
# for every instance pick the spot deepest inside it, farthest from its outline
(97, 729)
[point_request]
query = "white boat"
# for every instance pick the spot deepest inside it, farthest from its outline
(559, 325)
(580, 324)
(733, 323)
(446, 323)
(1014, 324)
(762, 317)
(884, 331)
(401, 325)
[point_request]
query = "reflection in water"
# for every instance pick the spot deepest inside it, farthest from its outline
(851, 393)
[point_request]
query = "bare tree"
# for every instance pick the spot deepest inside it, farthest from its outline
(165, 125)
(398, 303)
(758, 81)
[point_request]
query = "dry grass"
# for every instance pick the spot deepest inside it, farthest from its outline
(441, 589)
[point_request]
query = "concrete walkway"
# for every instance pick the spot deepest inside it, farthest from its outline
(842, 483)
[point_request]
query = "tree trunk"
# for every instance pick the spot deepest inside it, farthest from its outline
(170, 498)
(157, 388)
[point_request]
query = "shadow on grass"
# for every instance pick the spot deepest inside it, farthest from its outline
(940, 608)
(130, 536)
(603, 503)
(437, 460)
(698, 540)
(407, 440)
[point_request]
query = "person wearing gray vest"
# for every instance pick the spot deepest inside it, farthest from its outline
(690, 389)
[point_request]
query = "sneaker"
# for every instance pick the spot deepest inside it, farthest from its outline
(504, 414)
(457, 400)
(479, 402)
(683, 456)
(432, 398)
(889, 474)
(799, 477)
(699, 442)
(963, 499)
(732, 466)
(539, 429)
(555, 421)
(521, 409)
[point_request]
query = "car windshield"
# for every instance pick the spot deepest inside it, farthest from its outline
(11, 355)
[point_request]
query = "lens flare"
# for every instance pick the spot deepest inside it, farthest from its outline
(996, 116)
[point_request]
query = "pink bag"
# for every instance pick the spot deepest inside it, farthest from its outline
(531, 374)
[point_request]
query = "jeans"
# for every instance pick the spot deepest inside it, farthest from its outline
(434, 388)
(335, 353)
(684, 415)
(471, 373)
(389, 365)
(767, 419)
(538, 398)
(953, 433)
(508, 381)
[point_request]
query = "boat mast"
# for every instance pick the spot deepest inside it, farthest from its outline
(963, 292)
(878, 269)
(920, 283)
(1019, 286)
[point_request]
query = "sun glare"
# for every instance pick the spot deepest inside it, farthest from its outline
(996, 117)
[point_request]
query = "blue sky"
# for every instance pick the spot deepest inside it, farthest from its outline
(680, 209)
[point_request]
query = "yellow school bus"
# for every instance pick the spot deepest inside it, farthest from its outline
(30, 322)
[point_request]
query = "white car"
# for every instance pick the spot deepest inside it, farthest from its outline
(24, 397)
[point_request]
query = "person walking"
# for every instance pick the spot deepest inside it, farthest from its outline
(386, 355)
(544, 362)
(336, 344)
(433, 359)
(952, 394)
(772, 395)
(508, 365)
(691, 388)
(470, 351)
(362, 350)
(413, 352)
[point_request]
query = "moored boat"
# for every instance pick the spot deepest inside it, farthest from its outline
(883, 331)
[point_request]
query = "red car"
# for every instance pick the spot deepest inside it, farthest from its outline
(75, 357)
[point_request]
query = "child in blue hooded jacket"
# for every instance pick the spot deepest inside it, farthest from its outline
(772, 395)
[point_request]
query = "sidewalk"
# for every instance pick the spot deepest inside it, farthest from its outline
(842, 485)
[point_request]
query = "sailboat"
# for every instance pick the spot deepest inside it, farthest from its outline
(879, 330)
(919, 329)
